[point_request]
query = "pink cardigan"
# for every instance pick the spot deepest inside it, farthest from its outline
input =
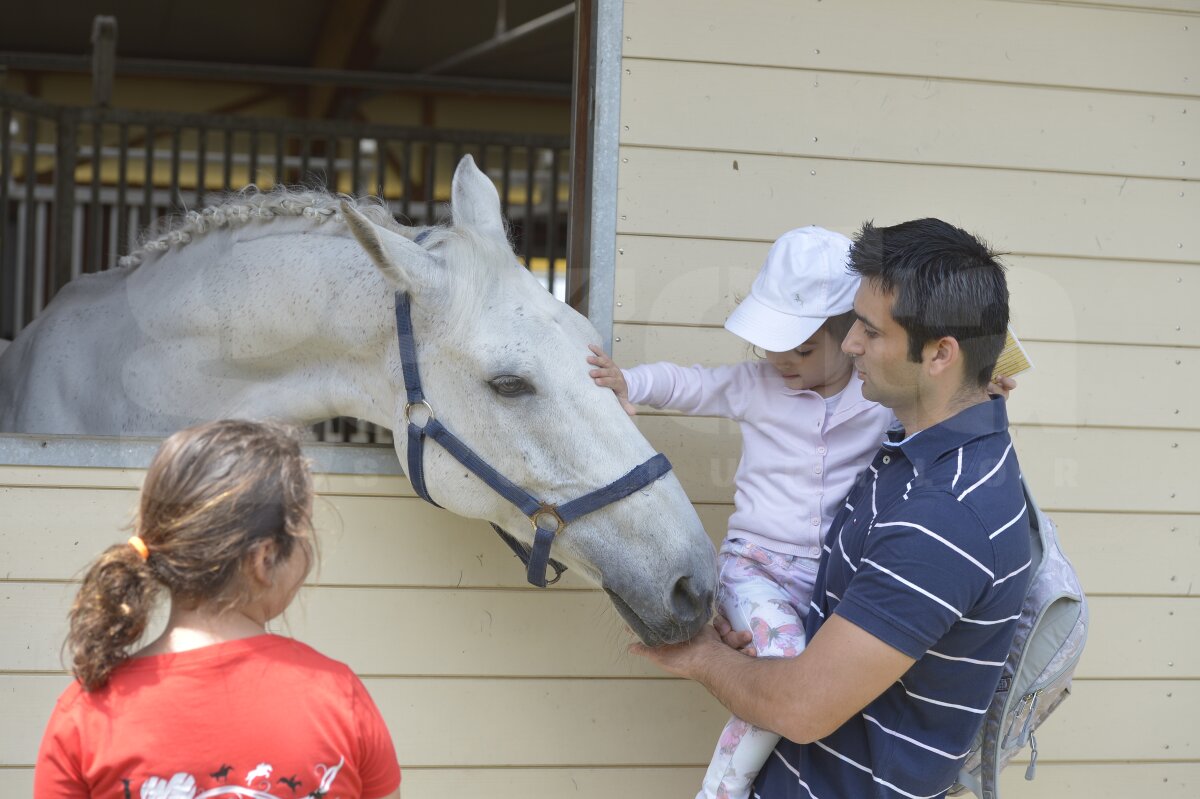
(796, 470)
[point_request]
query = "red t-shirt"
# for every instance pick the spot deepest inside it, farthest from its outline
(264, 717)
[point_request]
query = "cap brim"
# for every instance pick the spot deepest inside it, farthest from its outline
(769, 329)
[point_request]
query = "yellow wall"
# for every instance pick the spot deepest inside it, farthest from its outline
(1065, 133)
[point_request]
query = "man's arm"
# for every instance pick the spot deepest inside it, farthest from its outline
(803, 698)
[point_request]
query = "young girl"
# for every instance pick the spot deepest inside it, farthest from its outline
(216, 705)
(807, 432)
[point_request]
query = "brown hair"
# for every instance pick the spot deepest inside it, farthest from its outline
(213, 494)
(839, 326)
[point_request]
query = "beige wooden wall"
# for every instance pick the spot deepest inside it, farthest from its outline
(491, 688)
(1066, 133)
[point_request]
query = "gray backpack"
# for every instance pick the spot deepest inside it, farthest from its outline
(1041, 661)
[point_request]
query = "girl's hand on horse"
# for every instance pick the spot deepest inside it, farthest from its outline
(608, 375)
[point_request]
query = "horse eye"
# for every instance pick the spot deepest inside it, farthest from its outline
(510, 386)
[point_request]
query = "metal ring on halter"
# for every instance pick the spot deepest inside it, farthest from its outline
(547, 510)
(408, 411)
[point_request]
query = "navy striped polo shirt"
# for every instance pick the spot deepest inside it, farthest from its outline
(930, 554)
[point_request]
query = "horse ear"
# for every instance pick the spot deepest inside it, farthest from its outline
(474, 201)
(400, 260)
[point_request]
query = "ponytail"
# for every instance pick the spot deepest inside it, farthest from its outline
(213, 493)
(110, 613)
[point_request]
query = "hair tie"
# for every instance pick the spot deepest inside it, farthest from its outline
(140, 547)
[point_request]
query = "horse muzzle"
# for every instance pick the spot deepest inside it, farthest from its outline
(687, 607)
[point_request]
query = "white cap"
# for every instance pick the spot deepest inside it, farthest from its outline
(804, 281)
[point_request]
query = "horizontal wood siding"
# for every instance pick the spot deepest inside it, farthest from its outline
(1066, 134)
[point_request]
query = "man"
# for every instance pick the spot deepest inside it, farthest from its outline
(926, 565)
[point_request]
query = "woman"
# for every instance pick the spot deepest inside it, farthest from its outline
(216, 705)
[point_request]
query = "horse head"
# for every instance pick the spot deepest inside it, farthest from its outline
(503, 366)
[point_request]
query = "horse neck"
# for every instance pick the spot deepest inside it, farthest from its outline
(298, 316)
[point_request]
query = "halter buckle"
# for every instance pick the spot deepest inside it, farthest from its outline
(408, 409)
(550, 513)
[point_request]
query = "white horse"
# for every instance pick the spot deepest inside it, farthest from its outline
(268, 307)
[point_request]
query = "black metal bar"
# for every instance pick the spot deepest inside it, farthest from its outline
(8, 267)
(290, 76)
(305, 153)
(406, 180)
(147, 215)
(527, 226)
(122, 183)
(380, 189)
(227, 174)
(356, 167)
(552, 222)
(66, 158)
(430, 179)
(506, 180)
(331, 181)
(201, 164)
(95, 224)
(176, 196)
(280, 144)
(25, 285)
(252, 178)
(311, 127)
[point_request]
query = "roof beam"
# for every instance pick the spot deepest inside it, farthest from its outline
(502, 38)
(342, 33)
(290, 76)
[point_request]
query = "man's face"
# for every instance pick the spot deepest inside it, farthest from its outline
(879, 347)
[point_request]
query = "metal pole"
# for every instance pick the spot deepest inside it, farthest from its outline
(95, 212)
(8, 267)
(606, 121)
(201, 163)
(104, 59)
(67, 155)
(552, 221)
(253, 178)
(148, 185)
(122, 183)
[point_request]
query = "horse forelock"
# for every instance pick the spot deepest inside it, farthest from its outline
(249, 205)
(475, 274)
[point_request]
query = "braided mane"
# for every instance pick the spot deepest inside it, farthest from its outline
(251, 205)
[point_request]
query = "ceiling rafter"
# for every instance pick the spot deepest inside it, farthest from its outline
(343, 44)
(502, 38)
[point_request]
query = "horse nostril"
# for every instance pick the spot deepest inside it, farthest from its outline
(687, 602)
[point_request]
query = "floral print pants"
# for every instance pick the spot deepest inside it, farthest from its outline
(768, 594)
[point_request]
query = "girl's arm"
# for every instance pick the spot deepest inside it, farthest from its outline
(608, 375)
(724, 391)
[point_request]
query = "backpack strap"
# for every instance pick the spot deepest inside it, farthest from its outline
(989, 750)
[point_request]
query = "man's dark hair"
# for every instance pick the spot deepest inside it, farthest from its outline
(946, 283)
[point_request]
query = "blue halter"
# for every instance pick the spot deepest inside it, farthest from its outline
(548, 520)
